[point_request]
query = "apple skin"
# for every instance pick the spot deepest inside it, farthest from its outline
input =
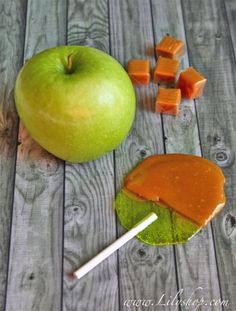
(78, 113)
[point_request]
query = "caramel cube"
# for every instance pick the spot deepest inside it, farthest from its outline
(191, 83)
(170, 47)
(139, 71)
(166, 70)
(168, 100)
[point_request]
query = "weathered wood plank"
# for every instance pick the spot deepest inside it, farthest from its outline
(35, 267)
(196, 260)
(211, 52)
(89, 217)
(12, 25)
(145, 272)
(230, 6)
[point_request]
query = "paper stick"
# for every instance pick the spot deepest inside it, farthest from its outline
(144, 223)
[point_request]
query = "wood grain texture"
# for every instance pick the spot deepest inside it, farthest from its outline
(89, 227)
(146, 272)
(12, 25)
(230, 6)
(89, 217)
(138, 270)
(212, 54)
(196, 260)
(35, 267)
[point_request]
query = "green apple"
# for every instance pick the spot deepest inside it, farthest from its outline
(76, 101)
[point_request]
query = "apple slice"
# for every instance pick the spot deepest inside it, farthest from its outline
(170, 228)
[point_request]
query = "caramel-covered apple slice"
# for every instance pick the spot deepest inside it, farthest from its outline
(185, 192)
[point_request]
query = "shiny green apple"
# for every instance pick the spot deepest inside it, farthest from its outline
(76, 101)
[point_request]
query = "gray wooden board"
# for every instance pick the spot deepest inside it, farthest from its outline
(11, 56)
(89, 190)
(143, 272)
(230, 6)
(146, 272)
(35, 266)
(197, 268)
(211, 53)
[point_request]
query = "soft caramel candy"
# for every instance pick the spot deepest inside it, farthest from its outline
(191, 83)
(189, 185)
(166, 70)
(139, 71)
(170, 47)
(168, 100)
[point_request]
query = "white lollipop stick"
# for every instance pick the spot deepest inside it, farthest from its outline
(144, 223)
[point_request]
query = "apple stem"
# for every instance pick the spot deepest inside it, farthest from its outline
(69, 63)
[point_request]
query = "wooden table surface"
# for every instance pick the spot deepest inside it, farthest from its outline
(54, 216)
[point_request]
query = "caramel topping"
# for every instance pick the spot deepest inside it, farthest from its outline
(191, 186)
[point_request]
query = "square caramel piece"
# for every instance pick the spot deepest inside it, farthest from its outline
(170, 47)
(191, 83)
(168, 100)
(166, 70)
(139, 71)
